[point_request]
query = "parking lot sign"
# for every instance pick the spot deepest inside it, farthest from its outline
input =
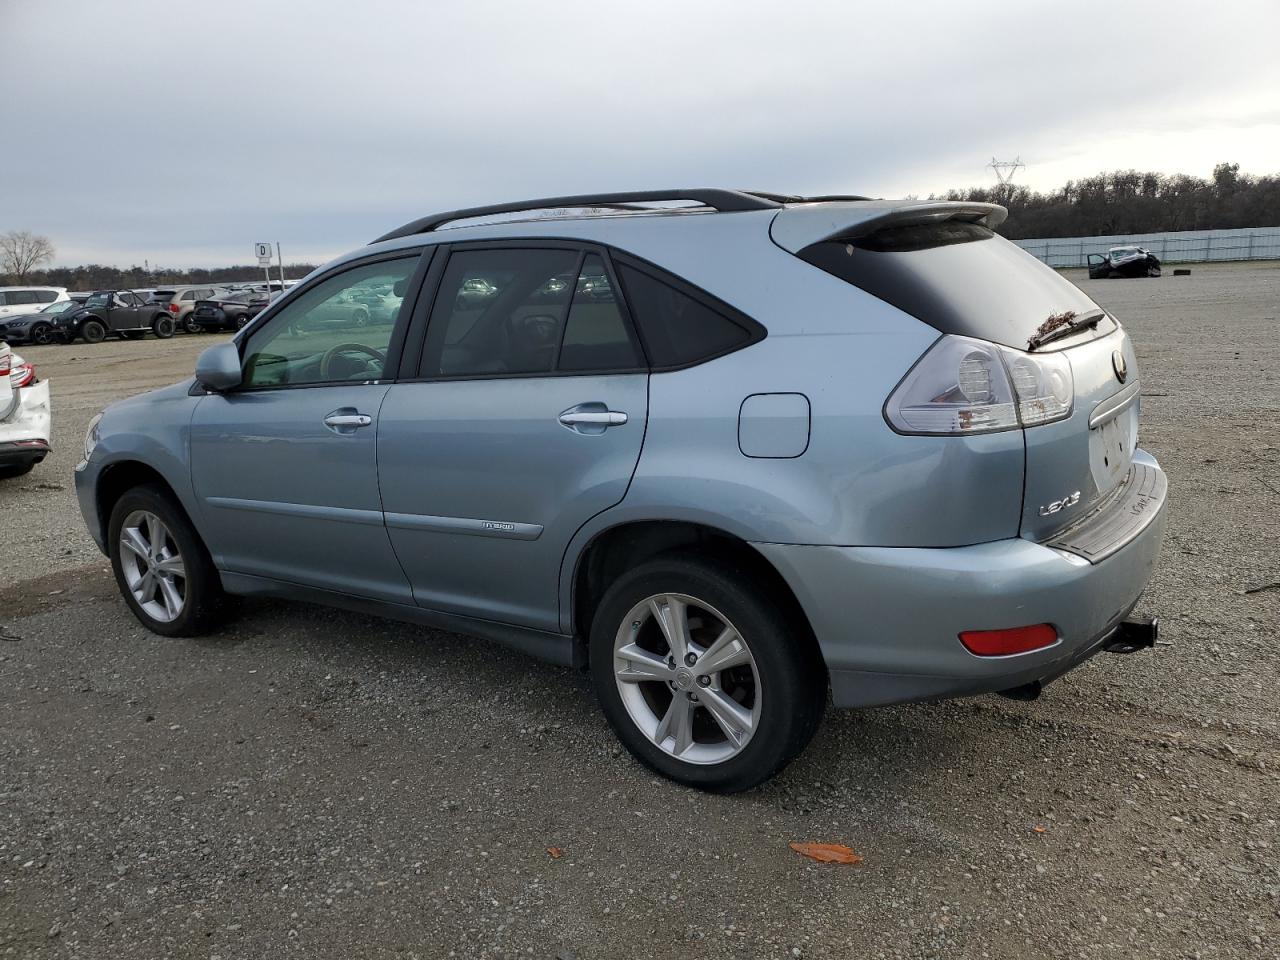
(263, 251)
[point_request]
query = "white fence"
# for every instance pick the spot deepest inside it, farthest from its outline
(1187, 246)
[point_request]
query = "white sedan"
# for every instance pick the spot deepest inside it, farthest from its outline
(26, 423)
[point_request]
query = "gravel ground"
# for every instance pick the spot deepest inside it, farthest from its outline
(314, 783)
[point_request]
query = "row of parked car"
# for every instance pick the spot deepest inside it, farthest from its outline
(50, 314)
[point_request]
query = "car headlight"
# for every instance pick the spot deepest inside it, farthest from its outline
(91, 436)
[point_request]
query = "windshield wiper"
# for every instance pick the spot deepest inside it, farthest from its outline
(1063, 325)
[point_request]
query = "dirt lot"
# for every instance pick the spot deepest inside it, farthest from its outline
(319, 784)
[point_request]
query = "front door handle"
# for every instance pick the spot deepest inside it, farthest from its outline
(592, 418)
(347, 420)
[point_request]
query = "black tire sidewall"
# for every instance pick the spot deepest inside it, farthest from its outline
(89, 331)
(792, 678)
(204, 597)
(163, 327)
(41, 328)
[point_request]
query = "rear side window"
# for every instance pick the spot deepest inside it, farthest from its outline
(596, 336)
(46, 296)
(957, 277)
(14, 297)
(677, 328)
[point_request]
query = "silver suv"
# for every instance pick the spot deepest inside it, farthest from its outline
(726, 455)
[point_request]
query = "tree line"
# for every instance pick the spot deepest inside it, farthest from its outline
(97, 276)
(1130, 201)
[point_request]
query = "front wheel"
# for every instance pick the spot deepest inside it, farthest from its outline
(163, 327)
(42, 333)
(190, 325)
(93, 331)
(162, 568)
(703, 677)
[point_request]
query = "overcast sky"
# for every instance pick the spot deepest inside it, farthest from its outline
(181, 131)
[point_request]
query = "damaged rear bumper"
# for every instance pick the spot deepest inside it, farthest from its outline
(25, 433)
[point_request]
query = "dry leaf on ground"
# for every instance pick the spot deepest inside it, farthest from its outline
(556, 852)
(827, 852)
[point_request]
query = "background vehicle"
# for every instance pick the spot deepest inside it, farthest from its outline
(229, 311)
(35, 327)
(25, 420)
(114, 312)
(717, 466)
(182, 302)
(15, 300)
(1123, 262)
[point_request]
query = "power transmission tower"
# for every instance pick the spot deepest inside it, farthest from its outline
(1005, 170)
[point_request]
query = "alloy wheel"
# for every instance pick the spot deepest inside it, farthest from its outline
(687, 678)
(153, 566)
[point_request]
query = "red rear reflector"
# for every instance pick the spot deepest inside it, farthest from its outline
(1001, 643)
(174, 308)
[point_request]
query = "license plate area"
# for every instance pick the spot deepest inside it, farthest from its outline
(1111, 446)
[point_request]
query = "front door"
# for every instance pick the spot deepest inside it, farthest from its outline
(524, 421)
(123, 311)
(285, 467)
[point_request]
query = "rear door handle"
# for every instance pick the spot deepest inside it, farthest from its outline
(592, 418)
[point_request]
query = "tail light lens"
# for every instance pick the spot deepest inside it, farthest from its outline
(1002, 643)
(174, 308)
(20, 375)
(964, 386)
(6, 361)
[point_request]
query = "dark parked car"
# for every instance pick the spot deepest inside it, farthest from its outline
(37, 327)
(1123, 262)
(119, 312)
(230, 311)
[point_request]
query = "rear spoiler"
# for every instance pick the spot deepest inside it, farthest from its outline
(801, 225)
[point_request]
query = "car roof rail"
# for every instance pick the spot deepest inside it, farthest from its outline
(722, 201)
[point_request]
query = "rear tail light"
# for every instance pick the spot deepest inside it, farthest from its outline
(1002, 643)
(20, 375)
(965, 386)
(5, 361)
(174, 308)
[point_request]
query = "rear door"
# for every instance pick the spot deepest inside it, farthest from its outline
(522, 418)
(285, 468)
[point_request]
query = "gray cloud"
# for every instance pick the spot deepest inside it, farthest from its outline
(183, 131)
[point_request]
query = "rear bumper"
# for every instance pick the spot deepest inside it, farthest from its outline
(20, 453)
(888, 619)
(25, 433)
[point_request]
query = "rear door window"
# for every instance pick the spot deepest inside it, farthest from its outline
(46, 296)
(596, 335)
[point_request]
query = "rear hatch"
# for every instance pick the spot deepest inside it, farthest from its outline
(943, 264)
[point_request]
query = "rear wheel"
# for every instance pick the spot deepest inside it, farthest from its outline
(702, 677)
(360, 316)
(42, 333)
(163, 327)
(20, 470)
(189, 324)
(93, 331)
(162, 568)
(242, 321)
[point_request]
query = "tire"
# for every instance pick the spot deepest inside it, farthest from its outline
(189, 325)
(360, 316)
(200, 600)
(242, 321)
(41, 334)
(93, 331)
(163, 327)
(774, 700)
(1153, 271)
(18, 470)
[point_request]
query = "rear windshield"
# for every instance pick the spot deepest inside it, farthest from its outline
(957, 277)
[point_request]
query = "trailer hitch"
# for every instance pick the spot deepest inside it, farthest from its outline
(1130, 636)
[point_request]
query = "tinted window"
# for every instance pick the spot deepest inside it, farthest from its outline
(957, 277)
(339, 331)
(677, 329)
(46, 296)
(20, 296)
(596, 336)
(499, 311)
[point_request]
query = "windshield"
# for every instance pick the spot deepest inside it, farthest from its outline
(1119, 253)
(60, 306)
(98, 300)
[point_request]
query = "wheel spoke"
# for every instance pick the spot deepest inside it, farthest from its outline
(146, 588)
(726, 651)
(170, 596)
(677, 723)
(155, 533)
(732, 717)
(132, 540)
(672, 617)
(641, 665)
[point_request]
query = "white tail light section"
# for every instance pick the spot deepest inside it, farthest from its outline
(971, 386)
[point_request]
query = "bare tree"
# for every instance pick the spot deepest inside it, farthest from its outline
(21, 251)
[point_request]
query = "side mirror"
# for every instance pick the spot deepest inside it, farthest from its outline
(218, 368)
